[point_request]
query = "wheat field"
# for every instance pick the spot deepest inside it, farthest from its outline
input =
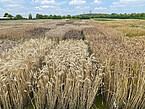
(38, 72)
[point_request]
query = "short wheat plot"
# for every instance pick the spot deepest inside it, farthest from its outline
(49, 75)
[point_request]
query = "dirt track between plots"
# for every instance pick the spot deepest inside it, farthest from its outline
(56, 30)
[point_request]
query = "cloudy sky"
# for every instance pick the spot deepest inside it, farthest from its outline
(72, 7)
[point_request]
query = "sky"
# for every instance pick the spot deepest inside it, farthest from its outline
(72, 7)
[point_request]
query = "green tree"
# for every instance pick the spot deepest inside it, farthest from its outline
(84, 17)
(92, 16)
(68, 17)
(6, 15)
(59, 17)
(18, 16)
(78, 16)
(96, 16)
(114, 14)
(50, 16)
(64, 17)
(54, 17)
(30, 16)
(74, 17)
(10, 15)
(39, 16)
(133, 15)
(142, 15)
(138, 14)
(45, 17)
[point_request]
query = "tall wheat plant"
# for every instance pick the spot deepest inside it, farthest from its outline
(16, 66)
(69, 78)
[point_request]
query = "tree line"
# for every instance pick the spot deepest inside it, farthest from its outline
(122, 16)
(17, 17)
(82, 16)
(89, 16)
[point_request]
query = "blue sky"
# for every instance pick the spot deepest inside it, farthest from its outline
(72, 7)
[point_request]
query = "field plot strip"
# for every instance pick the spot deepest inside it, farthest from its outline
(70, 78)
(16, 66)
(123, 61)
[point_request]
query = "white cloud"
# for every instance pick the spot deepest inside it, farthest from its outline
(100, 8)
(141, 5)
(2, 9)
(77, 2)
(126, 5)
(11, 1)
(123, 2)
(38, 8)
(49, 2)
(61, 3)
(43, 7)
(97, 1)
(5, 1)
(44, 1)
(82, 8)
(119, 5)
(46, 6)
(14, 5)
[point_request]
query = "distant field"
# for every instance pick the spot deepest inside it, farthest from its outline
(103, 19)
(72, 64)
(22, 23)
(130, 27)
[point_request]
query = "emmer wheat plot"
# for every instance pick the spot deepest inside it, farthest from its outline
(124, 67)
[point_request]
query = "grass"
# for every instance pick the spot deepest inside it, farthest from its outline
(132, 28)
(99, 103)
(132, 31)
(103, 19)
